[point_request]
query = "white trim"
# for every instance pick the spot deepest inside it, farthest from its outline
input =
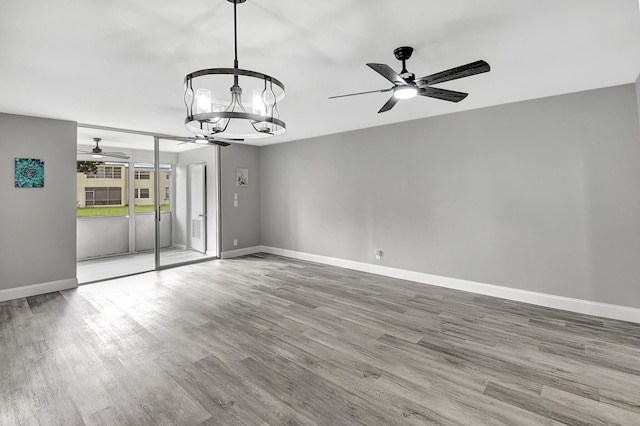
(36, 289)
(241, 252)
(605, 310)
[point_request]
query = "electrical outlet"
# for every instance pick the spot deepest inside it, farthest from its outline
(378, 254)
(235, 242)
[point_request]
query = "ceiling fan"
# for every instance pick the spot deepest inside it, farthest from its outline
(98, 153)
(405, 84)
(207, 140)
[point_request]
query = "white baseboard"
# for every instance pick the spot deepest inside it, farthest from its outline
(35, 289)
(241, 252)
(604, 310)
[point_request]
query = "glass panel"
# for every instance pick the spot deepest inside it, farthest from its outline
(100, 187)
(106, 241)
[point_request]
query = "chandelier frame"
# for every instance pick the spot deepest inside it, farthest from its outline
(215, 122)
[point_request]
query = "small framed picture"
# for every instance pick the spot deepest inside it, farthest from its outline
(29, 173)
(242, 177)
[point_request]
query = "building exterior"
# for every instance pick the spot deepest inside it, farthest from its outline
(108, 186)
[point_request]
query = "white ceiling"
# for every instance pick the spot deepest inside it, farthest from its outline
(121, 63)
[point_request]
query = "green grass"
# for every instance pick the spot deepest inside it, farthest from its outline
(116, 210)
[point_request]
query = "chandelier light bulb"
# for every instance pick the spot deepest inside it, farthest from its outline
(203, 101)
(258, 104)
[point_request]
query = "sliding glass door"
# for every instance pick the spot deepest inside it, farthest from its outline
(151, 204)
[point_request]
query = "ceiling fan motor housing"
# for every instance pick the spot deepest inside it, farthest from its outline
(408, 76)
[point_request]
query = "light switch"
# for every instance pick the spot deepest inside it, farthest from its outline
(235, 195)
(235, 203)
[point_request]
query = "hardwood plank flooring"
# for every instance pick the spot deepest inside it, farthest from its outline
(264, 339)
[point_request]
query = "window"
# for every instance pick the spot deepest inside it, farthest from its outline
(166, 193)
(143, 175)
(106, 172)
(142, 192)
(105, 196)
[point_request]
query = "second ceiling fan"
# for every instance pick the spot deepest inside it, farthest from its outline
(405, 84)
(97, 152)
(207, 140)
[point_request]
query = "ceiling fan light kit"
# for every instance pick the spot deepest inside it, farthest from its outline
(212, 112)
(201, 140)
(405, 92)
(208, 140)
(406, 86)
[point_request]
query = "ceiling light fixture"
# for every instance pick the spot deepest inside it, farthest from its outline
(211, 112)
(405, 92)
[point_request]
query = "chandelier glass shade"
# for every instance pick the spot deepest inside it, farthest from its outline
(247, 110)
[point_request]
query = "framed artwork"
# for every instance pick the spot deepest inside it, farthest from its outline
(242, 177)
(29, 173)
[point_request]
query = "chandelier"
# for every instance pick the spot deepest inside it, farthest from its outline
(213, 109)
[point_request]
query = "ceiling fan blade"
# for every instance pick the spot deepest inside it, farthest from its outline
(445, 95)
(386, 71)
(390, 104)
(362, 93)
(218, 142)
(467, 70)
(116, 155)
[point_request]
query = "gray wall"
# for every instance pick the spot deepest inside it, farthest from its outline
(242, 222)
(638, 94)
(37, 225)
(542, 195)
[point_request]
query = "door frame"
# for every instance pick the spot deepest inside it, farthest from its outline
(205, 216)
(213, 192)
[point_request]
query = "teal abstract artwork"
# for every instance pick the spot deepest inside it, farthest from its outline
(29, 173)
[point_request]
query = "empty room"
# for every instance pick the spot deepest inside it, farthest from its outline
(266, 212)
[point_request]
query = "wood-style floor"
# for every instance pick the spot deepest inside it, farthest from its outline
(268, 340)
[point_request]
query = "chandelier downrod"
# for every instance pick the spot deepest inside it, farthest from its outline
(235, 38)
